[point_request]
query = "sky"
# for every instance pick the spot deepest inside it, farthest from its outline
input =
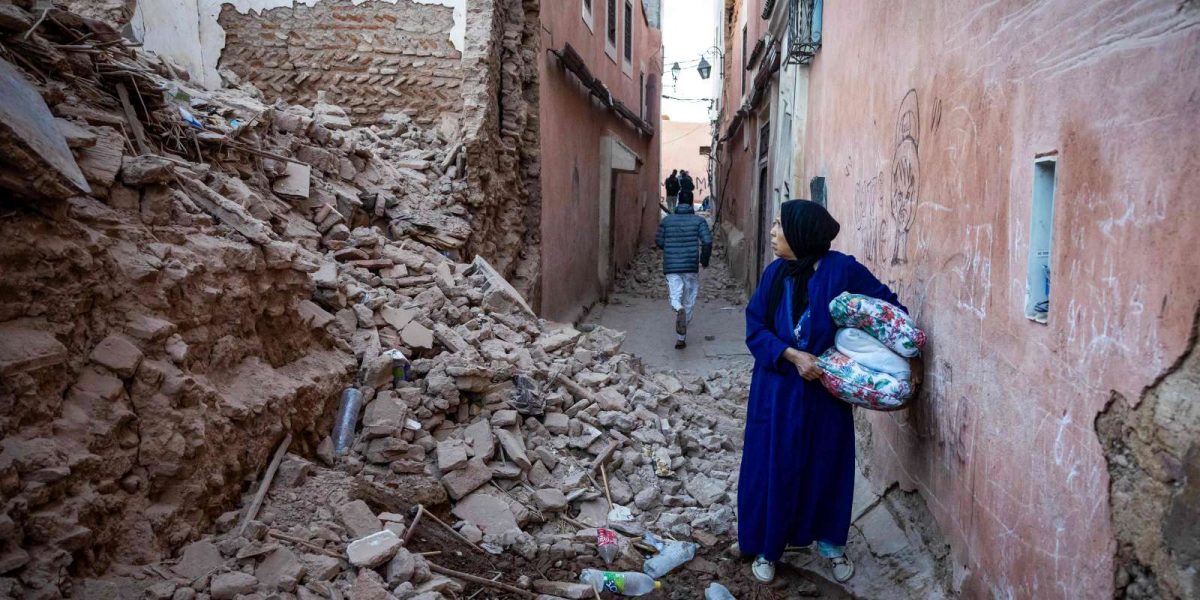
(689, 29)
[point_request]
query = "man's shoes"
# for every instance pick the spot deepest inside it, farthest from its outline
(681, 322)
(680, 344)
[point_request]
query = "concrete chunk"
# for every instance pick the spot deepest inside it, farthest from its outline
(198, 559)
(295, 182)
(550, 499)
(464, 481)
(358, 518)
(563, 589)
(280, 570)
(514, 447)
(228, 586)
(118, 354)
(489, 513)
(479, 434)
(451, 455)
(373, 550)
(416, 335)
(26, 349)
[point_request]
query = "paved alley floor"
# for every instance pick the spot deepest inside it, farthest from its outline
(892, 559)
(639, 307)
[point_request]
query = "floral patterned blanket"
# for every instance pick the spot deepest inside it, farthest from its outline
(857, 383)
(860, 386)
(882, 320)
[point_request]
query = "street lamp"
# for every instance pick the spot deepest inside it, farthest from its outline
(675, 71)
(704, 68)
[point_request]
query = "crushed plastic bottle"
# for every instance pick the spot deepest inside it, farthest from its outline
(617, 582)
(670, 555)
(607, 545)
(347, 419)
(716, 591)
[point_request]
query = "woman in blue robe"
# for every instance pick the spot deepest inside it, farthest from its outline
(797, 476)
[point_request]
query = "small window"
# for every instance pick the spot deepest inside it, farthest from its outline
(764, 140)
(817, 191)
(610, 28)
(705, 150)
(1041, 240)
(628, 32)
(818, 16)
(587, 13)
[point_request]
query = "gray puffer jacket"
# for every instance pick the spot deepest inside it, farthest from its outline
(685, 239)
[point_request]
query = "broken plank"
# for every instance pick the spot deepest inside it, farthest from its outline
(252, 511)
(139, 134)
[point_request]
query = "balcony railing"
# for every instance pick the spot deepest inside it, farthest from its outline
(804, 31)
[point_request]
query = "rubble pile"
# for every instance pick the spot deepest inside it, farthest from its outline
(521, 491)
(644, 277)
(191, 278)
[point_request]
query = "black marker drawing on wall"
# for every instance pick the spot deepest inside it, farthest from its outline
(906, 175)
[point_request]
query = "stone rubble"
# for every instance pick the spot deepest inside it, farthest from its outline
(216, 287)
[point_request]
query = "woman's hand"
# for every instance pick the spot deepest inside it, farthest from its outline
(806, 364)
(918, 371)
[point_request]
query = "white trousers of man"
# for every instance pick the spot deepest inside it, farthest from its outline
(683, 289)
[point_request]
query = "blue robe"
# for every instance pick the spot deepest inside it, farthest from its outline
(797, 476)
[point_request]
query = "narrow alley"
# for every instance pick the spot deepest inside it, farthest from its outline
(348, 300)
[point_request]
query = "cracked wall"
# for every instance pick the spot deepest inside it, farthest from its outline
(1153, 456)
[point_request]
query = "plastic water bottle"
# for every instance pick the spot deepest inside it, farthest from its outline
(347, 418)
(669, 558)
(624, 583)
(716, 591)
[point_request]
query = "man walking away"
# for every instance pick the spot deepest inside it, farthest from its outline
(686, 184)
(672, 190)
(687, 244)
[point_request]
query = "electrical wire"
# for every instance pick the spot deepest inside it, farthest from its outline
(688, 99)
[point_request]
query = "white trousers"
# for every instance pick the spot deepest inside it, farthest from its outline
(683, 288)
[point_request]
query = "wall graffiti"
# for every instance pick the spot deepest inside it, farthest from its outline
(871, 227)
(976, 270)
(886, 202)
(906, 175)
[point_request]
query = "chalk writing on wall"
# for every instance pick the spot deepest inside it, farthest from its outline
(906, 174)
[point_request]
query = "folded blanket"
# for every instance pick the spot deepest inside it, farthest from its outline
(851, 382)
(869, 352)
(882, 320)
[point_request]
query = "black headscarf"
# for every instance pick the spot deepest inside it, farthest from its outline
(809, 230)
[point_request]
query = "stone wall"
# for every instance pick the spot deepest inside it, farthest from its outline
(371, 58)
(500, 117)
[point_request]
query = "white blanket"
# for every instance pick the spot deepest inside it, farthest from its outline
(871, 353)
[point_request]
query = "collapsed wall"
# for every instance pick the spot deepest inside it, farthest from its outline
(166, 311)
(502, 138)
(1154, 483)
(372, 58)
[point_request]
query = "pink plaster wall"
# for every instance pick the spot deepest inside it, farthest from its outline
(736, 167)
(681, 142)
(1001, 444)
(572, 125)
